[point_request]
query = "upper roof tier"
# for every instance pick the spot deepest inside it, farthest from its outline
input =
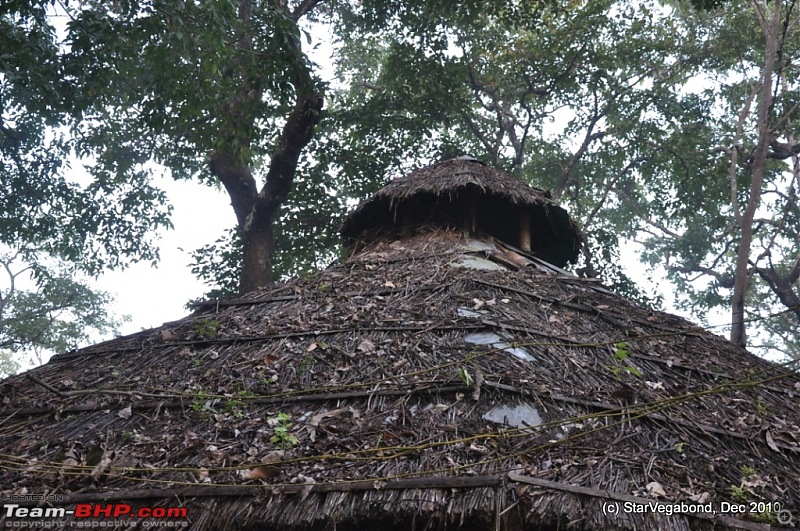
(468, 194)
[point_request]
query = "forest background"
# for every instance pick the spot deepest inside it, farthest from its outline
(668, 127)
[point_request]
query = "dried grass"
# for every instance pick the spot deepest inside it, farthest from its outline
(365, 358)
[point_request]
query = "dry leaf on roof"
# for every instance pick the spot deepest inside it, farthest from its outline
(771, 441)
(701, 498)
(310, 482)
(259, 472)
(101, 467)
(655, 489)
(366, 346)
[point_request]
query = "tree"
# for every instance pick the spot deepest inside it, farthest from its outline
(108, 222)
(675, 126)
(53, 228)
(747, 201)
(54, 313)
(237, 104)
(696, 174)
(201, 89)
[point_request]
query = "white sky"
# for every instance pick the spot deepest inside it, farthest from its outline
(152, 296)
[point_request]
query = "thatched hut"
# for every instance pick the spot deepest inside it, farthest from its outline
(447, 375)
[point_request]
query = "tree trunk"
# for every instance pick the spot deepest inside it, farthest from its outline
(258, 246)
(770, 24)
(256, 210)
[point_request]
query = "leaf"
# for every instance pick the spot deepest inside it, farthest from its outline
(310, 482)
(70, 460)
(621, 352)
(655, 489)
(771, 441)
(101, 467)
(202, 475)
(314, 421)
(366, 346)
(632, 370)
(274, 456)
(259, 472)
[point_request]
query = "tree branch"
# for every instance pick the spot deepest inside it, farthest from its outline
(296, 135)
(588, 138)
(303, 8)
(782, 287)
(724, 280)
(765, 101)
(734, 165)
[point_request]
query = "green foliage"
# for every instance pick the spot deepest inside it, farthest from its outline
(235, 406)
(8, 366)
(282, 437)
(739, 493)
(217, 265)
(207, 328)
(107, 222)
(199, 402)
(629, 111)
(618, 366)
(47, 308)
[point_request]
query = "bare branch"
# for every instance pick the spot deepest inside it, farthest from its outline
(724, 280)
(473, 127)
(610, 184)
(782, 287)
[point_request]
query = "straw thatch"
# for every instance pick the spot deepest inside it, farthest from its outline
(383, 393)
(465, 193)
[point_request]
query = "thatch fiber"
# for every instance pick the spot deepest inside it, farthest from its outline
(437, 381)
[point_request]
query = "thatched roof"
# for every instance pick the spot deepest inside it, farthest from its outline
(440, 381)
(442, 194)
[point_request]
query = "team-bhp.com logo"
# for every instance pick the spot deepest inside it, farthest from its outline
(95, 510)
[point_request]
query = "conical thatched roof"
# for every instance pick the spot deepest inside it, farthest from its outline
(466, 193)
(438, 381)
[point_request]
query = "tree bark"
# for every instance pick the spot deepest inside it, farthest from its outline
(770, 24)
(257, 232)
(783, 286)
(257, 210)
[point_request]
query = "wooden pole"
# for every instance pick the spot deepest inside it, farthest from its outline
(408, 219)
(525, 230)
(470, 209)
